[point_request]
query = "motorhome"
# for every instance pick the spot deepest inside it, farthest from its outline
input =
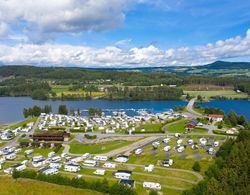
(100, 157)
(149, 168)
(152, 185)
(122, 174)
(167, 148)
(109, 165)
(72, 168)
(99, 172)
(90, 163)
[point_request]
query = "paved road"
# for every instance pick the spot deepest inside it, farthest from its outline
(190, 108)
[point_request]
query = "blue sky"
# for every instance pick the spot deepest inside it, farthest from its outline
(97, 33)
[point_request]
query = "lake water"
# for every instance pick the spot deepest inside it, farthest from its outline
(241, 107)
(11, 108)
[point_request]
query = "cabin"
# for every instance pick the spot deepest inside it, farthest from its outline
(152, 185)
(127, 182)
(149, 168)
(216, 117)
(122, 174)
(192, 124)
(99, 172)
(51, 136)
(72, 168)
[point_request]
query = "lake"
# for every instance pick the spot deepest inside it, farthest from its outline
(11, 108)
(241, 107)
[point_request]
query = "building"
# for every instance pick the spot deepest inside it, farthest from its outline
(192, 124)
(216, 117)
(51, 136)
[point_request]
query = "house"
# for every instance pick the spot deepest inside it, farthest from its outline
(99, 172)
(122, 174)
(167, 162)
(100, 157)
(90, 163)
(149, 168)
(121, 159)
(192, 124)
(72, 167)
(216, 117)
(49, 171)
(51, 136)
(152, 185)
(109, 165)
(127, 182)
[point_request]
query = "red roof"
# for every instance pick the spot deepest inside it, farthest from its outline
(216, 115)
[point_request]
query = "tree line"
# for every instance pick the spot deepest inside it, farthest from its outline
(100, 186)
(36, 111)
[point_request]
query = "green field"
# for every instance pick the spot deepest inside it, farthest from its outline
(22, 123)
(225, 93)
(100, 148)
(178, 127)
(10, 186)
(149, 128)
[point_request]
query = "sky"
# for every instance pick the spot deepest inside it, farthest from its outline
(123, 33)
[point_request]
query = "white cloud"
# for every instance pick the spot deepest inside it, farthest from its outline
(112, 56)
(42, 20)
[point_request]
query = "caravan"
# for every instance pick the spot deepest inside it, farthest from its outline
(152, 185)
(100, 157)
(123, 174)
(109, 165)
(99, 172)
(90, 163)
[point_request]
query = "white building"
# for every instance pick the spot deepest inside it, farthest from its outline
(123, 174)
(90, 163)
(100, 157)
(49, 171)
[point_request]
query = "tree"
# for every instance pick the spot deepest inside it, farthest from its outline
(232, 117)
(47, 109)
(188, 97)
(196, 166)
(36, 111)
(153, 192)
(26, 113)
(94, 111)
(62, 110)
(199, 98)
(39, 94)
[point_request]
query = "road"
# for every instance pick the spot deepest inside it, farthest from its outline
(191, 110)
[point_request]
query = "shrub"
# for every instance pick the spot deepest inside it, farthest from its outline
(196, 167)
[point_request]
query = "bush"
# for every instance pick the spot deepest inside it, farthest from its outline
(196, 167)
(90, 136)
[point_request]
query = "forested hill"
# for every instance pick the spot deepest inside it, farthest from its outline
(218, 69)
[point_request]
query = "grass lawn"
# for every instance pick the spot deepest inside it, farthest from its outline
(178, 127)
(150, 127)
(226, 93)
(100, 148)
(10, 186)
(199, 130)
(22, 123)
